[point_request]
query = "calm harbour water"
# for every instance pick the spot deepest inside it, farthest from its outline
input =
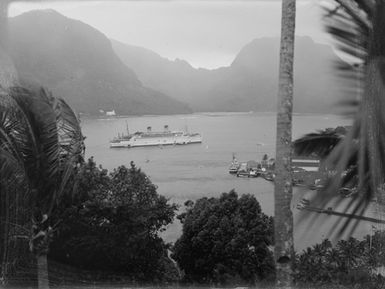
(200, 170)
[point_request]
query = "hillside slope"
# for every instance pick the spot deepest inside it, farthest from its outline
(77, 62)
(249, 83)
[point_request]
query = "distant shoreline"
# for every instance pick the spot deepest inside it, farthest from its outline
(209, 113)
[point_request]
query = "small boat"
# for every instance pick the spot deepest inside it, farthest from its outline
(234, 166)
(246, 172)
(242, 171)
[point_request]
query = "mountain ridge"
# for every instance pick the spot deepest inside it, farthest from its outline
(94, 73)
(243, 86)
(77, 62)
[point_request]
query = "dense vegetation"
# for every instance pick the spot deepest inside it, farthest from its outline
(115, 219)
(225, 240)
(41, 148)
(348, 262)
(110, 222)
(113, 225)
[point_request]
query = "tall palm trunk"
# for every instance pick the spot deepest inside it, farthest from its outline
(283, 222)
(373, 105)
(39, 245)
(42, 271)
(4, 237)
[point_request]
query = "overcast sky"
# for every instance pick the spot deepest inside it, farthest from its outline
(205, 33)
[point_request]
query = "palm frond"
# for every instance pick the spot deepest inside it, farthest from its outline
(8, 126)
(350, 25)
(11, 170)
(44, 135)
(367, 6)
(342, 163)
(69, 128)
(358, 12)
(71, 145)
(360, 157)
(12, 180)
(40, 133)
(40, 147)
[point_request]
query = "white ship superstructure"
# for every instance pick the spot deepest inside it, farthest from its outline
(150, 138)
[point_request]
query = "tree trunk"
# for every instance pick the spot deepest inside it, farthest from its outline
(283, 222)
(39, 245)
(373, 108)
(4, 236)
(42, 272)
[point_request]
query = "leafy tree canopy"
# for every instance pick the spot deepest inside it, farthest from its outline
(225, 240)
(114, 224)
(350, 261)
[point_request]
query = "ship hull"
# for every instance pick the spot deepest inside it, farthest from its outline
(146, 142)
(121, 144)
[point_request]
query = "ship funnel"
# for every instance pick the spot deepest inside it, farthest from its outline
(149, 129)
(166, 128)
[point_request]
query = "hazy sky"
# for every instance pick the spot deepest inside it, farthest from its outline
(205, 33)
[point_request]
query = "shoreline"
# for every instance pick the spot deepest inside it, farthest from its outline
(208, 113)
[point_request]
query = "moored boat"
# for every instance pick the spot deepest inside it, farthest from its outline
(122, 140)
(246, 171)
(234, 166)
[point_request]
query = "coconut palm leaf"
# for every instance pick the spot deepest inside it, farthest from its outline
(69, 129)
(359, 27)
(33, 151)
(350, 26)
(7, 130)
(10, 169)
(12, 179)
(38, 142)
(71, 145)
(40, 147)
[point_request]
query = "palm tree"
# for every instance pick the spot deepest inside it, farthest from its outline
(283, 222)
(40, 147)
(359, 27)
(321, 144)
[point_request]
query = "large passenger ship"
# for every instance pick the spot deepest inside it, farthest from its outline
(155, 138)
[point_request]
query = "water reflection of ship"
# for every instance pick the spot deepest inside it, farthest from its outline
(150, 138)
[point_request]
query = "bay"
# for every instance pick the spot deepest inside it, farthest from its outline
(194, 171)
